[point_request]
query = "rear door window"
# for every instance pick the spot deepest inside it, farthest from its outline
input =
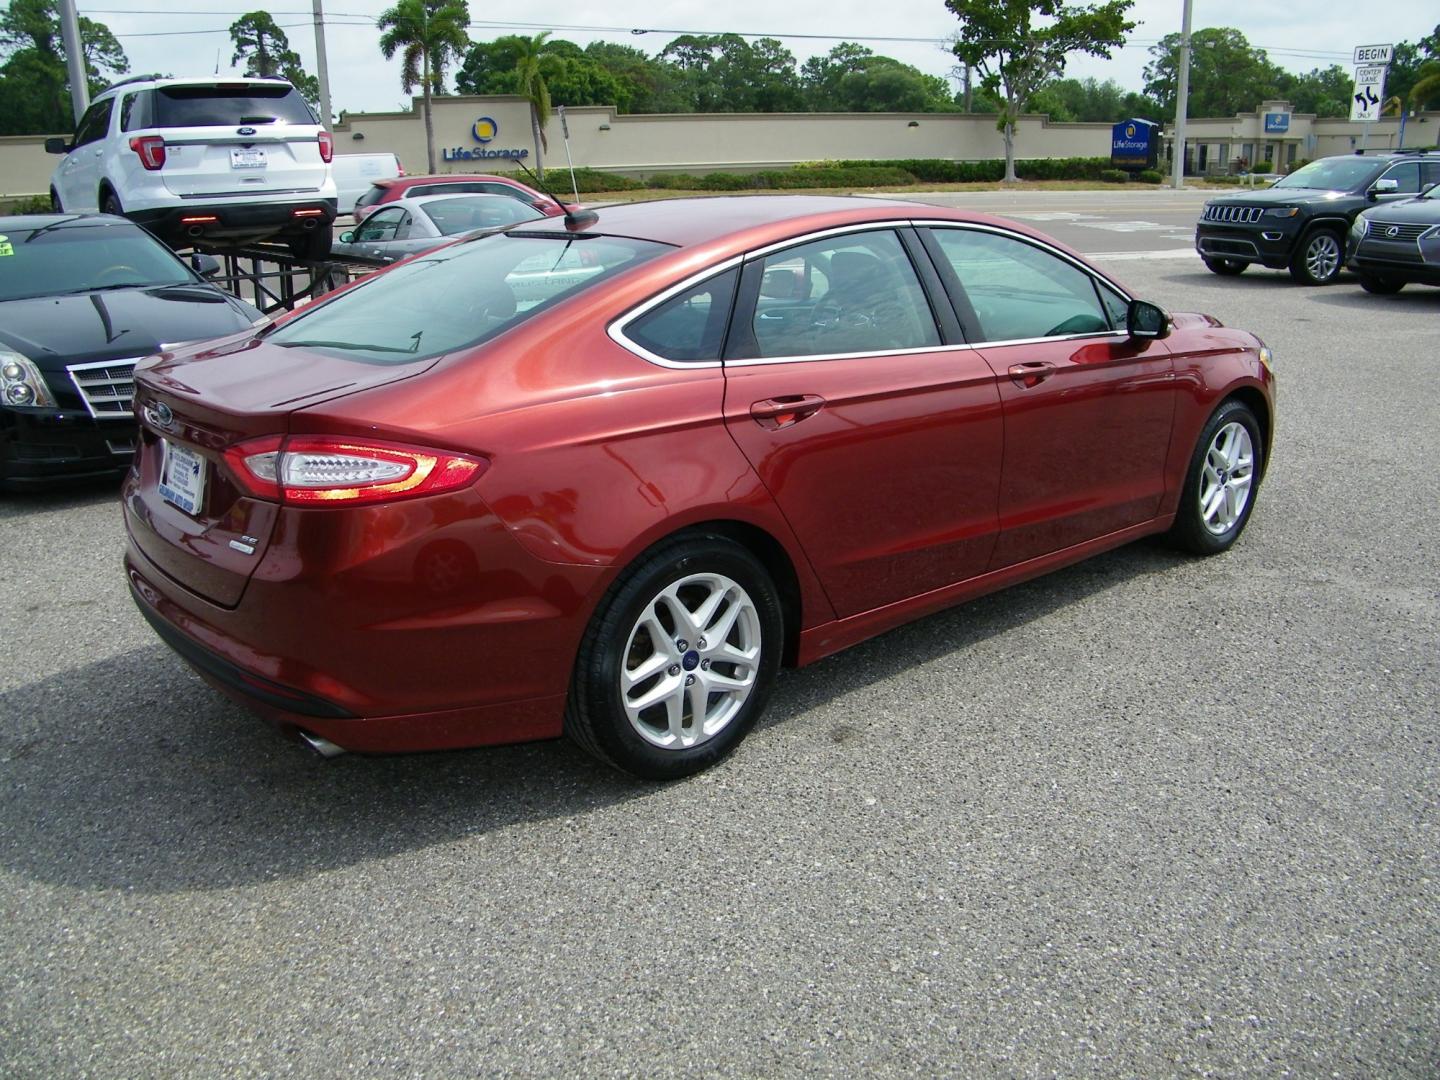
(689, 327)
(229, 105)
(95, 123)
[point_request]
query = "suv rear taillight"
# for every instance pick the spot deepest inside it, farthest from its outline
(325, 471)
(327, 146)
(151, 149)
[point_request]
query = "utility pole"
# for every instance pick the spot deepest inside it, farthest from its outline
(1182, 103)
(74, 59)
(322, 68)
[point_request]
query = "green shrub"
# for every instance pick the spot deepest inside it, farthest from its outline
(840, 177)
(723, 181)
(1232, 180)
(1150, 176)
(589, 181)
(35, 204)
(673, 181)
(1115, 176)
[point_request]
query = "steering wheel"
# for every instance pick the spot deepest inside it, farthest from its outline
(120, 271)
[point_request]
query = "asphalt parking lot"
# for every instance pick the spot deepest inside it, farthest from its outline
(1149, 816)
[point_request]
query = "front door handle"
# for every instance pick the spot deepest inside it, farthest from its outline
(1032, 373)
(785, 411)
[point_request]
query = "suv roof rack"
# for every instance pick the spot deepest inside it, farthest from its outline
(132, 79)
(1401, 151)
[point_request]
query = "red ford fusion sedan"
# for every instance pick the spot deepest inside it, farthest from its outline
(604, 476)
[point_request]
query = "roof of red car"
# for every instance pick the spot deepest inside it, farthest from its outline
(687, 222)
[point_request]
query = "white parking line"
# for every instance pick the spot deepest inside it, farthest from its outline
(1117, 256)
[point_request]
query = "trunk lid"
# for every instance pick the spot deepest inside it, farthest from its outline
(187, 512)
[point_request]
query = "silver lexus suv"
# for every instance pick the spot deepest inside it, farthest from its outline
(225, 161)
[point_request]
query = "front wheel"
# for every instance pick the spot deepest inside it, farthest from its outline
(678, 660)
(1225, 267)
(1222, 482)
(1380, 286)
(1318, 259)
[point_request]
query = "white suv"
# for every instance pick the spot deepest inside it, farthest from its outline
(228, 161)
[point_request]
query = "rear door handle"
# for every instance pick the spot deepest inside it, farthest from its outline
(1032, 373)
(785, 411)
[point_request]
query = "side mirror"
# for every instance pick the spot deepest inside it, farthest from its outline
(207, 266)
(1383, 187)
(57, 145)
(1146, 320)
(1425, 189)
(347, 237)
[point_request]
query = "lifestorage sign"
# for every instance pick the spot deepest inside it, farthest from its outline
(1134, 145)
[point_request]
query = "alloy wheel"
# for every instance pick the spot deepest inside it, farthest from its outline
(1322, 256)
(1228, 474)
(691, 661)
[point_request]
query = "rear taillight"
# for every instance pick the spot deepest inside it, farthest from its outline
(151, 149)
(321, 471)
(327, 146)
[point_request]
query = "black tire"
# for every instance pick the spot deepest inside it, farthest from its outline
(1190, 532)
(596, 717)
(1226, 267)
(313, 246)
(110, 204)
(55, 202)
(1380, 286)
(1318, 257)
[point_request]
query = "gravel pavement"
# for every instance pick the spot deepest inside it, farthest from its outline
(1149, 816)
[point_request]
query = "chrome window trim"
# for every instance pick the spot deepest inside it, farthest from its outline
(616, 330)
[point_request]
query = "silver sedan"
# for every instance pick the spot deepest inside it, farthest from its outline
(408, 226)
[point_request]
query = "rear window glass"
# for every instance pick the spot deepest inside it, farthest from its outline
(460, 296)
(229, 106)
(371, 197)
(70, 260)
(463, 214)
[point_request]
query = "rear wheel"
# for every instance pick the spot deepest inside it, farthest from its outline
(1222, 482)
(312, 246)
(1225, 267)
(110, 204)
(678, 661)
(55, 202)
(1381, 286)
(1318, 259)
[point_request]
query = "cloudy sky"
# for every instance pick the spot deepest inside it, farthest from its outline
(196, 40)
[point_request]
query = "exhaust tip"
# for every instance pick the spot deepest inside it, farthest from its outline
(195, 230)
(324, 747)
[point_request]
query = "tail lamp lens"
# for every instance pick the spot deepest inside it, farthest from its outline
(327, 146)
(151, 149)
(330, 472)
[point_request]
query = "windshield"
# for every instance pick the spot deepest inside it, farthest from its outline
(460, 296)
(467, 213)
(36, 262)
(1332, 174)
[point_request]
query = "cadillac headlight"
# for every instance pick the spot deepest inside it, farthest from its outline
(21, 382)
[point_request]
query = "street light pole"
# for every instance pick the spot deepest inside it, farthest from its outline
(74, 58)
(322, 68)
(1182, 103)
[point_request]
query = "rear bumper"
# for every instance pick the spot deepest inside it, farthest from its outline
(235, 221)
(41, 446)
(380, 631)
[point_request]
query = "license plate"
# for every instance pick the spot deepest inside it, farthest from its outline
(182, 478)
(247, 159)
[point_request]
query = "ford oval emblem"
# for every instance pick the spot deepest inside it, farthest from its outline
(245, 131)
(160, 415)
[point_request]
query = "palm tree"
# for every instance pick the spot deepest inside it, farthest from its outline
(429, 35)
(1424, 89)
(530, 84)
